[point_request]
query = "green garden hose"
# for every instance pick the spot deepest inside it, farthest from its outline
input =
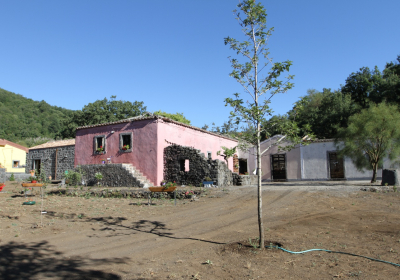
(329, 251)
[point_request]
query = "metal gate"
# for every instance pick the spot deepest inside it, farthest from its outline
(336, 166)
(278, 163)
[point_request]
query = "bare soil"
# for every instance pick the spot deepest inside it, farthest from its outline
(211, 237)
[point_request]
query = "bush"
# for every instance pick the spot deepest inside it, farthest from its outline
(12, 178)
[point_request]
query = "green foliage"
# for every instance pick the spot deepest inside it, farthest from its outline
(179, 117)
(12, 178)
(73, 178)
(31, 142)
(41, 176)
(22, 118)
(226, 153)
(323, 112)
(170, 185)
(101, 111)
(253, 112)
(98, 176)
(371, 135)
(366, 86)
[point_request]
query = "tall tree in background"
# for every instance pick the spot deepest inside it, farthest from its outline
(252, 18)
(370, 136)
(101, 111)
(323, 112)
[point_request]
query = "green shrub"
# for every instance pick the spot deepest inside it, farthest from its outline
(12, 178)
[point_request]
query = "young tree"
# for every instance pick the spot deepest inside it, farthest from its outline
(252, 18)
(371, 136)
(226, 153)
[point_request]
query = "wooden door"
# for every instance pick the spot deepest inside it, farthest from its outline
(278, 163)
(336, 166)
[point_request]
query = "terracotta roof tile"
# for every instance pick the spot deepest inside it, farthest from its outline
(54, 144)
(4, 142)
(151, 116)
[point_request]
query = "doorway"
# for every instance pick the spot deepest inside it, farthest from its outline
(336, 166)
(243, 166)
(278, 164)
(37, 164)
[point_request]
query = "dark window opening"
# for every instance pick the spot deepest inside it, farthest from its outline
(99, 144)
(209, 155)
(15, 163)
(243, 166)
(125, 142)
(182, 165)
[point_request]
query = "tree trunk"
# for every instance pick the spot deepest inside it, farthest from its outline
(374, 171)
(260, 222)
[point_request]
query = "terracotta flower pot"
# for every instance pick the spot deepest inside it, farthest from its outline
(33, 181)
(162, 189)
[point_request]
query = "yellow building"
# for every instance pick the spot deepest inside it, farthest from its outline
(12, 156)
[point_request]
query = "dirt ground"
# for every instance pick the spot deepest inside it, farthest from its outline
(207, 238)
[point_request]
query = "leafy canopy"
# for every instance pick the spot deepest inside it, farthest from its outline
(179, 117)
(101, 111)
(371, 135)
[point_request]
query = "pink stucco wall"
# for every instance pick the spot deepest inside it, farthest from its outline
(186, 136)
(144, 148)
(149, 140)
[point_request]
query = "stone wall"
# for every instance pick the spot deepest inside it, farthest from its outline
(114, 175)
(65, 160)
(241, 180)
(2, 175)
(199, 167)
(18, 176)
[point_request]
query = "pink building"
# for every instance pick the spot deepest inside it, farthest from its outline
(141, 140)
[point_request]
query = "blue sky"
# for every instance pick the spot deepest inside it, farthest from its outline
(170, 54)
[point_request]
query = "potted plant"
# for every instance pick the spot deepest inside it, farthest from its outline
(100, 149)
(32, 172)
(207, 181)
(33, 179)
(125, 147)
(165, 187)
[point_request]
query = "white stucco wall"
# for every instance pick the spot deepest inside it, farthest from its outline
(315, 163)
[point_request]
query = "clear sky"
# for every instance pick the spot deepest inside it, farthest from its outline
(170, 54)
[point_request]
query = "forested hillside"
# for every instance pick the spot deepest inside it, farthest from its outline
(23, 119)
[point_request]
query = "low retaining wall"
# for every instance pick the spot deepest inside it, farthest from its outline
(17, 176)
(242, 180)
(114, 175)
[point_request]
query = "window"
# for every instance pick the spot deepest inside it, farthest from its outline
(99, 144)
(37, 165)
(15, 163)
(184, 165)
(208, 155)
(125, 142)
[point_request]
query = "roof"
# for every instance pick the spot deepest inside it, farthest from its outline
(4, 142)
(55, 144)
(151, 116)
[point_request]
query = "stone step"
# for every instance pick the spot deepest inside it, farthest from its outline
(144, 182)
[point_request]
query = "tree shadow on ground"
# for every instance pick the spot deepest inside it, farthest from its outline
(41, 260)
(115, 226)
